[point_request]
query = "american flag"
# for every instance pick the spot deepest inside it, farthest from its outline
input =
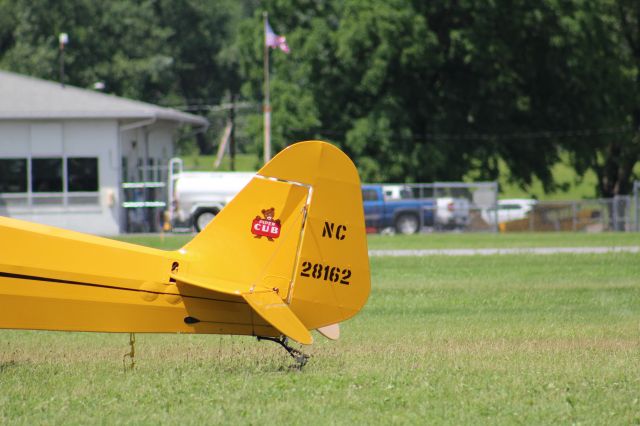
(273, 40)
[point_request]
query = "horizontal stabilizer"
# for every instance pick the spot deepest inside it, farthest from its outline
(277, 313)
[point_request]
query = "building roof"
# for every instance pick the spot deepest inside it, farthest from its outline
(23, 97)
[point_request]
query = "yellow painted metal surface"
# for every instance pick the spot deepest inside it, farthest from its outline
(295, 234)
(228, 256)
(332, 279)
(272, 308)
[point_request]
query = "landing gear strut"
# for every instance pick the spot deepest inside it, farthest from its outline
(131, 354)
(300, 358)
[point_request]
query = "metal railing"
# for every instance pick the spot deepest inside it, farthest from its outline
(145, 201)
(29, 200)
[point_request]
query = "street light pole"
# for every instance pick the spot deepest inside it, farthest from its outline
(63, 40)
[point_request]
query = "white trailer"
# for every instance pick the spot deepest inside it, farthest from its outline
(195, 198)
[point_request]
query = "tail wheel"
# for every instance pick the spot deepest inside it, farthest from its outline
(202, 218)
(407, 224)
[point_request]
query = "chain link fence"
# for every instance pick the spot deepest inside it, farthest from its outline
(428, 207)
(612, 214)
(475, 207)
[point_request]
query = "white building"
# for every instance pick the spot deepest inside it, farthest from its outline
(65, 153)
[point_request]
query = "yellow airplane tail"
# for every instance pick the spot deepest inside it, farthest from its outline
(287, 255)
(292, 243)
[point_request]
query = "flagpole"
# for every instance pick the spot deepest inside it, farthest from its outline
(266, 106)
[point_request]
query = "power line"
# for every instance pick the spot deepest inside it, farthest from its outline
(215, 107)
(204, 105)
(542, 134)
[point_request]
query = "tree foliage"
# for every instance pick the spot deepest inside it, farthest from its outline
(412, 90)
(171, 52)
(441, 90)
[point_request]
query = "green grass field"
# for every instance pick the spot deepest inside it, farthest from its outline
(446, 240)
(243, 163)
(443, 340)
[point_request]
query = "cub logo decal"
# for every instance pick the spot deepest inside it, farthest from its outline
(266, 226)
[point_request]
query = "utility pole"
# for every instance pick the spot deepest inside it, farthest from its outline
(267, 106)
(232, 135)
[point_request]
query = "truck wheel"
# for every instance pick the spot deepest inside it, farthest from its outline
(407, 223)
(202, 218)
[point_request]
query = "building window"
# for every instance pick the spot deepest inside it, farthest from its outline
(48, 185)
(13, 175)
(46, 175)
(82, 174)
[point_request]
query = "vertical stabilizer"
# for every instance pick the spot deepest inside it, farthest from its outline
(297, 230)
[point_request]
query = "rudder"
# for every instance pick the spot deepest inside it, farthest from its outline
(331, 279)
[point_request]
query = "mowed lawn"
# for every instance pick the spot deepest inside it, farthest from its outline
(500, 339)
(447, 240)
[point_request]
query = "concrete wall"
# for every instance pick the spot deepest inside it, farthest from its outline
(81, 138)
(103, 139)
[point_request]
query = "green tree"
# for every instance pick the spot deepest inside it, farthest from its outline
(434, 90)
(412, 90)
(618, 30)
(169, 52)
(113, 42)
(203, 49)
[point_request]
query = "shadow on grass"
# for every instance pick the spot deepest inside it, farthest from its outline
(4, 366)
